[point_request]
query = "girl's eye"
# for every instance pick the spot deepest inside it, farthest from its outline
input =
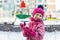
(40, 16)
(37, 14)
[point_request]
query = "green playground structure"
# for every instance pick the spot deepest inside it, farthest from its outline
(22, 16)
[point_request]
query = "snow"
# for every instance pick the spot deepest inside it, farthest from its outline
(19, 36)
(52, 36)
(11, 36)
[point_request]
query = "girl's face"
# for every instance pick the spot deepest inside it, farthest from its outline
(37, 16)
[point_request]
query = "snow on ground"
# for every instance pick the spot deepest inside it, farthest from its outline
(11, 36)
(19, 36)
(52, 36)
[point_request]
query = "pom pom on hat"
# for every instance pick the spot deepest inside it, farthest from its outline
(40, 6)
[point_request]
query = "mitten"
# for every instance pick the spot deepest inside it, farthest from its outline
(27, 31)
(32, 33)
(22, 25)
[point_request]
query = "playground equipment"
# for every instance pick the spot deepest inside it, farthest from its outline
(22, 14)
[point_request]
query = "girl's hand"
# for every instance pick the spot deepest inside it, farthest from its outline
(32, 33)
(22, 24)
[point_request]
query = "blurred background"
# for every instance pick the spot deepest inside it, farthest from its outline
(14, 12)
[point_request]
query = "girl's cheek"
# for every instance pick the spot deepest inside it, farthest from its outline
(40, 17)
(35, 17)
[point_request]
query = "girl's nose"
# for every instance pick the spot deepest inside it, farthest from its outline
(38, 16)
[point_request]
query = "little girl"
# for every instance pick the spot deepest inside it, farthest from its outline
(35, 31)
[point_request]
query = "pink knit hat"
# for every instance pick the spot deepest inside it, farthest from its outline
(38, 10)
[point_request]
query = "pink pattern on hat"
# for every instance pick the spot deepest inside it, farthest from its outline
(38, 10)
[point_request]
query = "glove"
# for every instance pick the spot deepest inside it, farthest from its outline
(33, 33)
(30, 32)
(27, 31)
(23, 25)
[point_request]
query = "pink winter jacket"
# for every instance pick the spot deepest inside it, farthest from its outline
(38, 27)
